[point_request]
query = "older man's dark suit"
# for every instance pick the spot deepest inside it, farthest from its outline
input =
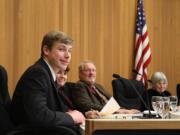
(36, 102)
(85, 100)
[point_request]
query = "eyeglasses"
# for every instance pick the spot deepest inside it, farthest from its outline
(89, 70)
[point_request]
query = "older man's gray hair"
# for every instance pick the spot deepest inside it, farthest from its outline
(82, 64)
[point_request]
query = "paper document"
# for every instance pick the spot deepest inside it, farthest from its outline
(110, 107)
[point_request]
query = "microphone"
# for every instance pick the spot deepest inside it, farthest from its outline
(135, 71)
(148, 104)
(149, 81)
(141, 98)
(117, 76)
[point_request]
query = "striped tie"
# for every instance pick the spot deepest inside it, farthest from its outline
(99, 94)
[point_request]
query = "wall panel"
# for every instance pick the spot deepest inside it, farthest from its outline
(103, 31)
(32, 18)
(6, 38)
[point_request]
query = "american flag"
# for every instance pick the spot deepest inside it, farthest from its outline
(142, 48)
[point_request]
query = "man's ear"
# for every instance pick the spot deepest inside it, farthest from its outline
(80, 75)
(45, 50)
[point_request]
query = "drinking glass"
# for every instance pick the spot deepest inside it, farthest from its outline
(173, 103)
(156, 100)
(164, 107)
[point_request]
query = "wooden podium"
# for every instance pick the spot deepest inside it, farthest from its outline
(131, 127)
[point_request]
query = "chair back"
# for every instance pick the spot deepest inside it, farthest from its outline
(127, 93)
(5, 121)
(178, 92)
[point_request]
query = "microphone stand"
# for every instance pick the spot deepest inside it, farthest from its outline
(139, 95)
(147, 106)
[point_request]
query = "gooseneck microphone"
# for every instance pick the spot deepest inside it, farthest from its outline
(135, 71)
(117, 76)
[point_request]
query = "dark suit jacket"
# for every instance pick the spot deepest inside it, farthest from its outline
(84, 99)
(36, 102)
(4, 94)
(5, 121)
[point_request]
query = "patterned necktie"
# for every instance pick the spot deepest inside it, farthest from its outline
(66, 98)
(63, 95)
(102, 98)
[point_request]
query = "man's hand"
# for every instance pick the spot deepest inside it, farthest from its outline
(127, 111)
(77, 116)
(93, 114)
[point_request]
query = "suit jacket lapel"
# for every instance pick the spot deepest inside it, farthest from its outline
(43, 63)
(54, 87)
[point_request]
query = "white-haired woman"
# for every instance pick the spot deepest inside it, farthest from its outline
(159, 84)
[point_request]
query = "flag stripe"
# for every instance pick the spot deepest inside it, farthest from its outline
(142, 47)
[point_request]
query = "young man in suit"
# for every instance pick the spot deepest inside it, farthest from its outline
(36, 102)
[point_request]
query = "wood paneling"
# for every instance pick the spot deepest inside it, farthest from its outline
(103, 30)
(164, 24)
(6, 38)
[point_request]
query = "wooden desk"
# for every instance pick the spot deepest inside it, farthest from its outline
(135, 124)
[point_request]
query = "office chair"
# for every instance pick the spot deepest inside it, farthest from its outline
(128, 93)
(7, 127)
(178, 92)
(5, 122)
